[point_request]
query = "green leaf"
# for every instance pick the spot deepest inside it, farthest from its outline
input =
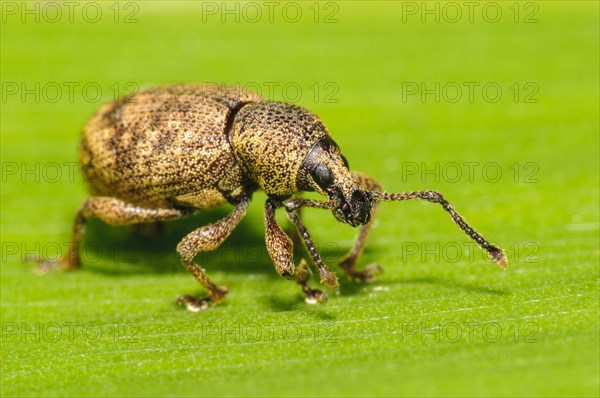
(522, 167)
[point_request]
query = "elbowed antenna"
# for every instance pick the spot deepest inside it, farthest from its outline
(493, 252)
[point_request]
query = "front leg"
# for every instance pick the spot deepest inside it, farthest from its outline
(327, 277)
(280, 248)
(112, 211)
(348, 263)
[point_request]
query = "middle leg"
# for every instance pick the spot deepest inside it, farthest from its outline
(204, 239)
(280, 248)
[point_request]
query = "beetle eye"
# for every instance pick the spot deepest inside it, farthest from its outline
(322, 176)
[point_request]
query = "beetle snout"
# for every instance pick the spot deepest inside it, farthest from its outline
(355, 209)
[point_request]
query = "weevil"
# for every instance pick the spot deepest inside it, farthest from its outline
(167, 152)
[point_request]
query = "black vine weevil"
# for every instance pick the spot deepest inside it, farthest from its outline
(166, 152)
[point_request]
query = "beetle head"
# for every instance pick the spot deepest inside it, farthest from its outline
(326, 171)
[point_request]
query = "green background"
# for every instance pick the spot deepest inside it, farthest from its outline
(441, 320)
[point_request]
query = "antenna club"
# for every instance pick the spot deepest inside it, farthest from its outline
(498, 256)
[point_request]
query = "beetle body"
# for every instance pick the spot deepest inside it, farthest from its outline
(166, 146)
(165, 152)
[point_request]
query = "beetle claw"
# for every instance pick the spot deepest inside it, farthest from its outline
(44, 266)
(366, 274)
(314, 296)
(193, 304)
(329, 278)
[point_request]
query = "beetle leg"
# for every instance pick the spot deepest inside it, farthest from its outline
(327, 277)
(298, 203)
(204, 239)
(293, 231)
(348, 263)
(112, 211)
(280, 248)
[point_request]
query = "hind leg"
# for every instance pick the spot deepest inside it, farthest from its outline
(112, 211)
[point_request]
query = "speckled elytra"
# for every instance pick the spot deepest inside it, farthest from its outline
(166, 152)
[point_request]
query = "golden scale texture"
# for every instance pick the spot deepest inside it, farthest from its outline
(169, 145)
(165, 145)
(164, 152)
(271, 139)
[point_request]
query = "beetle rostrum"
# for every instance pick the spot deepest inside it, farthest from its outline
(167, 152)
(328, 173)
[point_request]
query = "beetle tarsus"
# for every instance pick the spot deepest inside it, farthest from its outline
(194, 304)
(328, 278)
(366, 274)
(44, 266)
(313, 296)
(302, 275)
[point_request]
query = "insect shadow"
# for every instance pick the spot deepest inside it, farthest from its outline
(451, 284)
(151, 248)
